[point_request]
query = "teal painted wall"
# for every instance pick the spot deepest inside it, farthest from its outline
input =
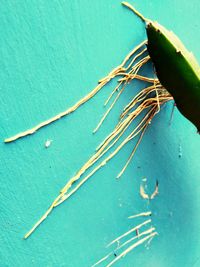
(52, 53)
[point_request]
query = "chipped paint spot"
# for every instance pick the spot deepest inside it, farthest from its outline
(48, 143)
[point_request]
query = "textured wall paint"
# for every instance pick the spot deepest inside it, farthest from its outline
(52, 53)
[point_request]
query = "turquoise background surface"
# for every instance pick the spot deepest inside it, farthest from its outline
(52, 54)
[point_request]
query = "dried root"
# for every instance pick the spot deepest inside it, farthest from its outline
(145, 104)
(118, 71)
(118, 253)
(148, 213)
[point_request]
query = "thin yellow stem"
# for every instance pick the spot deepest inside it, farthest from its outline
(62, 197)
(103, 259)
(141, 63)
(58, 116)
(110, 108)
(130, 231)
(42, 218)
(136, 237)
(138, 98)
(112, 93)
(102, 83)
(133, 51)
(134, 59)
(149, 231)
(135, 11)
(138, 77)
(133, 153)
(103, 163)
(121, 127)
(142, 214)
(141, 241)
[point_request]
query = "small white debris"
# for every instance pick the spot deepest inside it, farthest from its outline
(48, 143)
(143, 194)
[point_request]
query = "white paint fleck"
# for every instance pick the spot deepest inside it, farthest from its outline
(48, 143)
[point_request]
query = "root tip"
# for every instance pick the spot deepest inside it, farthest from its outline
(25, 236)
(8, 140)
